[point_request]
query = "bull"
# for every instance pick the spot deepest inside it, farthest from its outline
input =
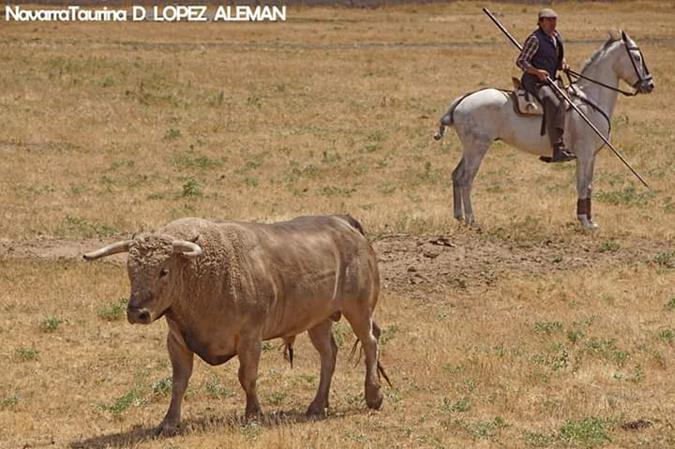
(225, 287)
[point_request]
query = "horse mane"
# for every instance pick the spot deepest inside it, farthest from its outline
(594, 57)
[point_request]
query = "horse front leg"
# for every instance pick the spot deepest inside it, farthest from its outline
(585, 167)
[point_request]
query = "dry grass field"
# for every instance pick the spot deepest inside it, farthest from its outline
(527, 333)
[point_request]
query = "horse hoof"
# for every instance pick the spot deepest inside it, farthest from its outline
(437, 136)
(587, 223)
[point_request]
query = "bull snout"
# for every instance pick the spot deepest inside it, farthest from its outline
(140, 315)
(137, 312)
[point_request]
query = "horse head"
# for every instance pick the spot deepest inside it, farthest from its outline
(631, 67)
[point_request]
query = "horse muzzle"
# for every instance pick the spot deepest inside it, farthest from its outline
(644, 86)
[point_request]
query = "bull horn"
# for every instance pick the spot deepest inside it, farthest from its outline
(118, 247)
(187, 249)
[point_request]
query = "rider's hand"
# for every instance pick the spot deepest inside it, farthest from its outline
(542, 74)
(565, 67)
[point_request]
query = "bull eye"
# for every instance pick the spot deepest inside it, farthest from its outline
(163, 272)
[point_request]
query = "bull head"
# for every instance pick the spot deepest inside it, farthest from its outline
(153, 258)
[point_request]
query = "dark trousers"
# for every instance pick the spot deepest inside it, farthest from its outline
(554, 111)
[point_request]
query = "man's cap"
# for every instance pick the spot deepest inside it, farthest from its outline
(547, 13)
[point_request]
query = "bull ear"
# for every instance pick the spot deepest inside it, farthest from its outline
(186, 248)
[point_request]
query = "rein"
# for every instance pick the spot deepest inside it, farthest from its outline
(570, 73)
(593, 105)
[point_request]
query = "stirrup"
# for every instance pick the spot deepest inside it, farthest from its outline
(559, 155)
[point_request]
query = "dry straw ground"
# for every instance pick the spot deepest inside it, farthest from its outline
(529, 333)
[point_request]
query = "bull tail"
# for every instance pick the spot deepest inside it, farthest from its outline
(381, 373)
(352, 353)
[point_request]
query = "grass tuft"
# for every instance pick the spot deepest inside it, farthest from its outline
(50, 324)
(192, 188)
(113, 311)
(26, 354)
(587, 432)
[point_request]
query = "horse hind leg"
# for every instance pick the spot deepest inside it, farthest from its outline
(457, 190)
(471, 160)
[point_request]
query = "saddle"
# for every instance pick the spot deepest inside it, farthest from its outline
(524, 103)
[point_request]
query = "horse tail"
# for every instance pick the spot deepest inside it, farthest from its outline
(448, 119)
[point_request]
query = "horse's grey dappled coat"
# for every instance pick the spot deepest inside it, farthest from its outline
(224, 287)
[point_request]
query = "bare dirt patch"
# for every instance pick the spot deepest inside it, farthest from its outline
(463, 261)
(472, 261)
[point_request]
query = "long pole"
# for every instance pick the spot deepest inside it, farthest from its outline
(560, 92)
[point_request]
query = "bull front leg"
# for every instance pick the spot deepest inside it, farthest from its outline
(181, 362)
(249, 349)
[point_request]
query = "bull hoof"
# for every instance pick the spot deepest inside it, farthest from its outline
(167, 430)
(317, 411)
(374, 399)
(253, 414)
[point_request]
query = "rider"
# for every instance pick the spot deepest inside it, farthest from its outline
(542, 56)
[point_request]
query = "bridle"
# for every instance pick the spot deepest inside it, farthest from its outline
(644, 78)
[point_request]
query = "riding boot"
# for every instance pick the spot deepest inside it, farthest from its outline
(560, 153)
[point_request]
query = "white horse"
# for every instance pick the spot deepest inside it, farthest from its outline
(487, 115)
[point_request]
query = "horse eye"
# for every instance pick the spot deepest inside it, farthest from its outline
(163, 272)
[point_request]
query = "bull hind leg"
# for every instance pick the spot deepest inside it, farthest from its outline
(322, 338)
(362, 325)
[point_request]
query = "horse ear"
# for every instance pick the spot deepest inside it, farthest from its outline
(624, 36)
(614, 35)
